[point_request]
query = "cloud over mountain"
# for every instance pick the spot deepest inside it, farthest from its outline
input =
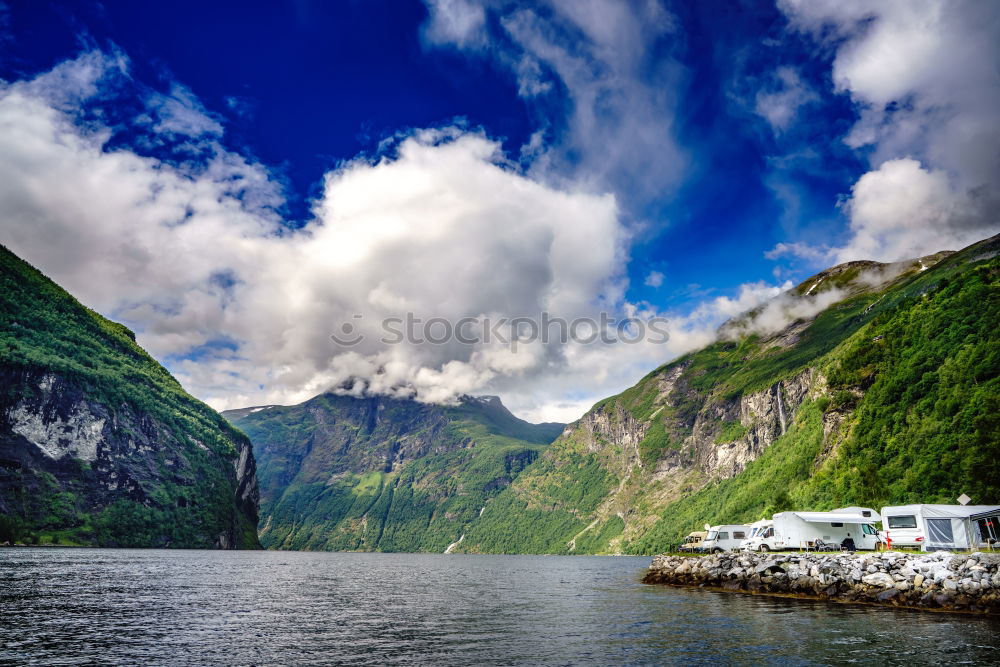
(191, 250)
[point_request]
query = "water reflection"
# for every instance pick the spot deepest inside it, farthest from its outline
(70, 606)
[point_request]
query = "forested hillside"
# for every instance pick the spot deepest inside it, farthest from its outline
(99, 444)
(383, 474)
(888, 395)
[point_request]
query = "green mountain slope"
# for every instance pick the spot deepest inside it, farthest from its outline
(890, 394)
(99, 445)
(381, 474)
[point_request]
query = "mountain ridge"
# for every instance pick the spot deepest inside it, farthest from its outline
(382, 473)
(99, 444)
(698, 439)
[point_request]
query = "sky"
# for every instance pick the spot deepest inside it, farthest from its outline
(236, 181)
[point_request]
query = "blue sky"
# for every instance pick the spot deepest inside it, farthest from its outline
(724, 149)
(304, 85)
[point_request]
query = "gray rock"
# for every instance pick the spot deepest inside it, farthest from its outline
(880, 579)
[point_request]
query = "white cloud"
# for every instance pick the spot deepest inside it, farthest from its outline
(595, 74)
(780, 102)
(803, 250)
(195, 257)
(924, 78)
(181, 112)
(654, 279)
(458, 22)
(902, 210)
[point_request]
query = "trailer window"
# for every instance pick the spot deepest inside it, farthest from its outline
(723, 536)
(837, 525)
(739, 535)
(902, 522)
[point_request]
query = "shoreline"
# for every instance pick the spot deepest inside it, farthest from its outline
(941, 581)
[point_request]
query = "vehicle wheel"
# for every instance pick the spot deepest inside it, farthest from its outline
(717, 551)
(763, 549)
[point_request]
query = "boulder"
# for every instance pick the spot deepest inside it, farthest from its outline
(879, 579)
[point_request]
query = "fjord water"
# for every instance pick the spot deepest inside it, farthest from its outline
(73, 606)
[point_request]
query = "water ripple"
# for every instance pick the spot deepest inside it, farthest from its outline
(73, 606)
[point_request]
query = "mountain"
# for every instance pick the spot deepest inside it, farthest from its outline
(383, 474)
(99, 445)
(868, 384)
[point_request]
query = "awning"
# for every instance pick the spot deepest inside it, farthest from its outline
(833, 517)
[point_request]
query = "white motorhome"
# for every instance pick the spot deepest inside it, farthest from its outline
(756, 528)
(942, 527)
(727, 537)
(840, 528)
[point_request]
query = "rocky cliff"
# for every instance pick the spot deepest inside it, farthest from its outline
(99, 445)
(867, 384)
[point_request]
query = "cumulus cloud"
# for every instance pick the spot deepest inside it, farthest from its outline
(923, 76)
(903, 210)
(193, 254)
(595, 75)
(654, 279)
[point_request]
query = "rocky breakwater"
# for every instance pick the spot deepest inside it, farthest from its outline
(942, 580)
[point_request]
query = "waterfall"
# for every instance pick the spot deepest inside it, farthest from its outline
(781, 407)
(451, 547)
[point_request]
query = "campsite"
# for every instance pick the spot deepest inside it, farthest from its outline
(915, 527)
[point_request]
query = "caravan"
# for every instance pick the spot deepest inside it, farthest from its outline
(848, 528)
(727, 537)
(942, 527)
(693, 541)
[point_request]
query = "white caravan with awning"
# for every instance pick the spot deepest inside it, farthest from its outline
(840, 528)
(942, 527)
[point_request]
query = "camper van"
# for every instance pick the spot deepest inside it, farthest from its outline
(849, 527)
(756, 528)
(942, 527)
(727, 537)
(693, 541)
